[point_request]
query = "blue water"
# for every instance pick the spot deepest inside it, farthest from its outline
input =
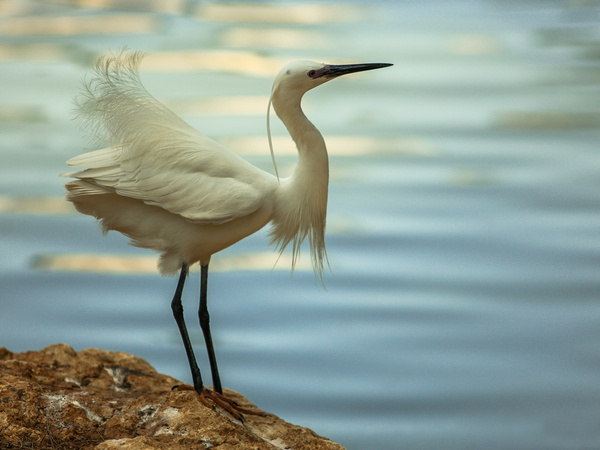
(461, 309)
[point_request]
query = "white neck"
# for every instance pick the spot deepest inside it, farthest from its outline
(302, 199)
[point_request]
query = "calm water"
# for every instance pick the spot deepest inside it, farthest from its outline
(461, 310)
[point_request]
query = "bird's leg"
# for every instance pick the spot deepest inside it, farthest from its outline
(205, 325)
(204, 394)
(216, 396)
(177, 308)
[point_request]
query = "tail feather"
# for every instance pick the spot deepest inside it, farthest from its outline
(80, 188)
(98, 158)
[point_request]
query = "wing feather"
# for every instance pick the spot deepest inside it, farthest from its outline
(155, 156)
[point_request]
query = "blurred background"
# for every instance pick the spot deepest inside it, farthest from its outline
(461, 309)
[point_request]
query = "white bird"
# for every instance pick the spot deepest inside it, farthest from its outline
(171, 189)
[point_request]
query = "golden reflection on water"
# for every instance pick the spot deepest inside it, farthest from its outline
(35, 205)
(79, 25)
(17, 19)
(22, 114)
(38, 51)
(273, 38)
(473, 44)
(240, 62)
(124, 264)
(269, 12)
(547, 120)
(336, 145)
(238, 105)
(316, 13)
(159, 6)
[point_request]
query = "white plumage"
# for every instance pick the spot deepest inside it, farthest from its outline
(214, 197)
(171, 189)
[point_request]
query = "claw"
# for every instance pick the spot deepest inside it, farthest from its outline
(206, 396)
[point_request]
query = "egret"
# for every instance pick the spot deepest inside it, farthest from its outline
(169, 188)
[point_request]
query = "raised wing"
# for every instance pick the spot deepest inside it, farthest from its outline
(157, 157)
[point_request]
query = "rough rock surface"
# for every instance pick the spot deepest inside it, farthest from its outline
(96, 399)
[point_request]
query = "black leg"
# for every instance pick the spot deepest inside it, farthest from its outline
(177, 308)
(205, 325)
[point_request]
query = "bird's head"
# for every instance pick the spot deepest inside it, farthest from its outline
(299, 77)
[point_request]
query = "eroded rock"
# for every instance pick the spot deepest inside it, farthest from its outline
(97, 399)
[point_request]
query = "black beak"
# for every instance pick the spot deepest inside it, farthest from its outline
(332, 71)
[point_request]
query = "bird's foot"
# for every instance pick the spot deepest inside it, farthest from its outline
(206, 396)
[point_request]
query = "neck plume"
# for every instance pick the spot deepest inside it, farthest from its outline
(301, 209)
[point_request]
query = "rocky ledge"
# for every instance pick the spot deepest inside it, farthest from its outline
(97, 399)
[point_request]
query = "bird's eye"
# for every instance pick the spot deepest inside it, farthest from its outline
(311, 73)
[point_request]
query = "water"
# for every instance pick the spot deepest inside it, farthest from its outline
(461, 307)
